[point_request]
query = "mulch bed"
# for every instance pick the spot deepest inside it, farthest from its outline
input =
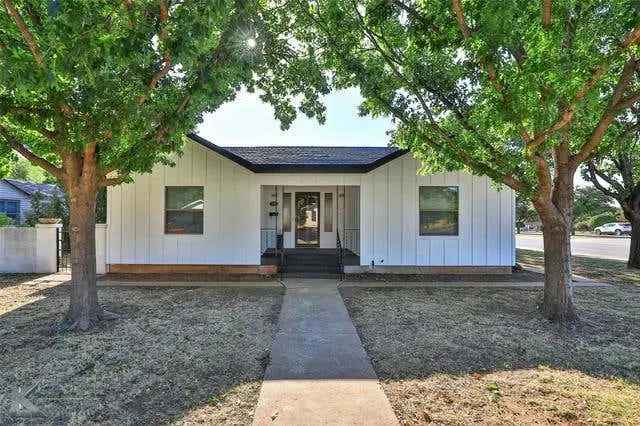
(175, 355)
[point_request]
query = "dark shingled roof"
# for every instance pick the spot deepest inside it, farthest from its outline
(30, 188)
(305, 158)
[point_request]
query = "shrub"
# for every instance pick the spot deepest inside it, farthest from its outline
(583, 225)
(5, 220)
(601, 219)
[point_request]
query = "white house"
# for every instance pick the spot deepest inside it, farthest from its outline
(223, 208)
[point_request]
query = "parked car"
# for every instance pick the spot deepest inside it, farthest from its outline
(614, 228)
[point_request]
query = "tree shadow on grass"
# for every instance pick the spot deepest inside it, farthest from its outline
(486, 356)
(412, 333)
(175, 355)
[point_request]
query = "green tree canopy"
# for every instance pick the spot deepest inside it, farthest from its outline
(589, 202)
(96, 91)
(21, 169)
(517, 90)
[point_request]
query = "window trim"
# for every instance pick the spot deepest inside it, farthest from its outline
(166, 210)
(18, 218)
(287, 210)
(327, 217)
(417, 210)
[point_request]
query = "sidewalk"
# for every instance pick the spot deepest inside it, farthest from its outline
(319, 372)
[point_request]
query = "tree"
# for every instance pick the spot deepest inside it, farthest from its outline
(524, 212)
(5, 220)
(589, 202)
(97, 91)
(520, 91)
(615, 172)
(22, 169)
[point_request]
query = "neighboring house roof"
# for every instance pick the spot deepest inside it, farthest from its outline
(280, 159)
(30, 188)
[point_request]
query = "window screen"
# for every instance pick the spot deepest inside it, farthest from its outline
(439, 210)
(184, 209)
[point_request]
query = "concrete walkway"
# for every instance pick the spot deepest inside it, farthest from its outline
(319, 372)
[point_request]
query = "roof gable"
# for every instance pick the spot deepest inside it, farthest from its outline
(329, 159)
(30, 188)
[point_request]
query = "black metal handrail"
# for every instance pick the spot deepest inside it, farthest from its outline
(280, 252)
(340, 255)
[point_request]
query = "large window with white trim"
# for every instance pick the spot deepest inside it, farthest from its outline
(438, 209)
(184, 210)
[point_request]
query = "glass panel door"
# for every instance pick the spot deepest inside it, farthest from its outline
(307, 219)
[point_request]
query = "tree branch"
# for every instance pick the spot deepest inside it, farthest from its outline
(105, 181)
(166, 56)
(609, 115)
(593, 178)
(466, 33)
(567, 115)
(632, 38)
(627, 102)
(26, 153)
(26, 34)
(546, 13)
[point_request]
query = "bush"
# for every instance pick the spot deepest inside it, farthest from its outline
(583, 225)
(5, 220)
(601, 219)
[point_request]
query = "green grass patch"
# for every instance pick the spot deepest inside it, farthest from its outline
(611, 271)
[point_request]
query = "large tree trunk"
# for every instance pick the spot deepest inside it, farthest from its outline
(631, 208)
(554, 204)
(84, 310)
(557, 304)
(634, 249)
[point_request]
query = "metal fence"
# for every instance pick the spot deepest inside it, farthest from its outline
(63, 250)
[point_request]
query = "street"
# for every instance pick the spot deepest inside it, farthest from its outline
(599, 247)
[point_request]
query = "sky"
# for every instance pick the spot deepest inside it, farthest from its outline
(247, 121)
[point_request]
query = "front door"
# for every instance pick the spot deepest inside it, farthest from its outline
(307, 219)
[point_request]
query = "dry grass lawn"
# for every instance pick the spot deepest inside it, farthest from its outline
(485, 356)
(177, 355)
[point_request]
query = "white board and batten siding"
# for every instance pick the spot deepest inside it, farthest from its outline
(234, 207)
(389, 220)
(231, 214)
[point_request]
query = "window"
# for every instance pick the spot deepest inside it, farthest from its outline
(286, 212)
(183, 209)
(11, 208)
(439, 210)
(328, 212)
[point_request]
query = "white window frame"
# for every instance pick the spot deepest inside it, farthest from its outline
(164, 212)
(417, 213)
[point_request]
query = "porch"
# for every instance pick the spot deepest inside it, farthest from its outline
(310, 260)
(310, 229)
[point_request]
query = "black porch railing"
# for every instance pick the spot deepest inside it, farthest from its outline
(340, 256)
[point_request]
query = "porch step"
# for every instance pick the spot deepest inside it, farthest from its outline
(307, 261)
(311, 268)
(316, 275)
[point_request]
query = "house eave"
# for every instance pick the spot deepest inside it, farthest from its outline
(297, 168)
